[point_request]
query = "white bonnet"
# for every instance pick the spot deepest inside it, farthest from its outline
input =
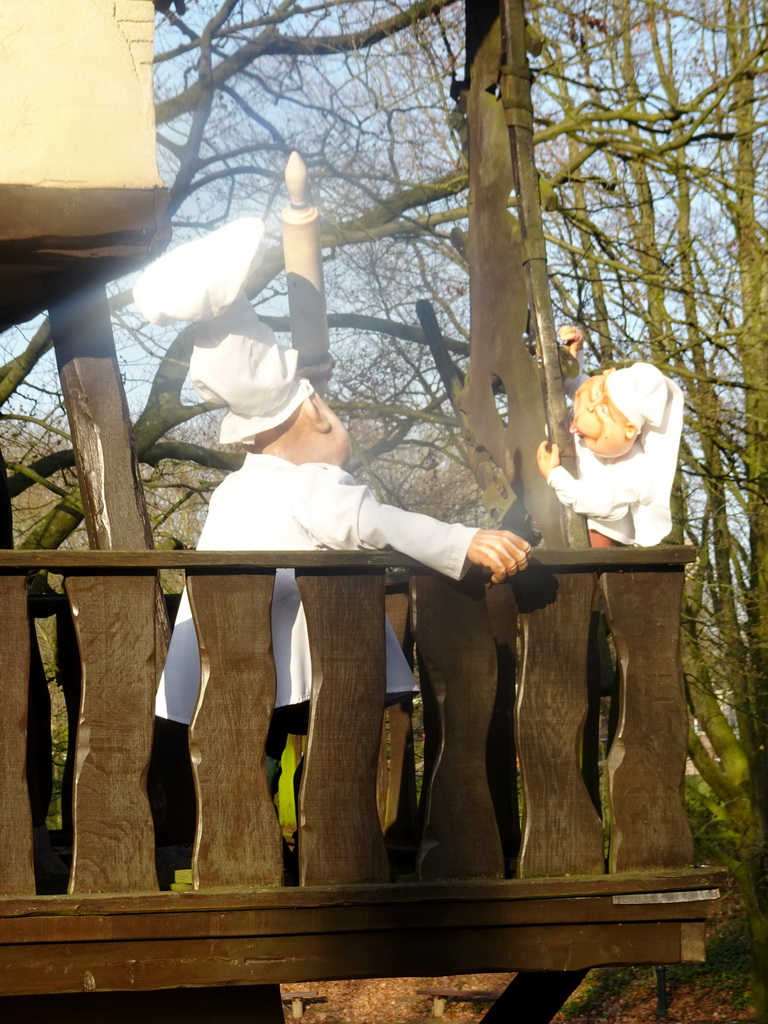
(236, 359)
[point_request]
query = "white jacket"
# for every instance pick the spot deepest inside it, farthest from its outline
(617, 495)
(272, 505)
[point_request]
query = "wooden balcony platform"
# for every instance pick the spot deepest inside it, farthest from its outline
(594, 866)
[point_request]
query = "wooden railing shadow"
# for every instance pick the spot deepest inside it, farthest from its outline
(547, 891)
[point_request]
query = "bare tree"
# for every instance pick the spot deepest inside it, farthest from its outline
(652, 128)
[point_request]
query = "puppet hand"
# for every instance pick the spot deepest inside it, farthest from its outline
(502, 552)
(571, 338)
(548, 458)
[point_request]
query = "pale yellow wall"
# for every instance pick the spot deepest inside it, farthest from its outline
(76, 105)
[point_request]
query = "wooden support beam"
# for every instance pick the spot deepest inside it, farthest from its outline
(534, 997)
(292, 959)
(499, 307)
(516, 98)
(113, 499)
(107, 467)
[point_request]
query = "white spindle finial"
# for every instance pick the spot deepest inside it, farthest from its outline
(296, 180)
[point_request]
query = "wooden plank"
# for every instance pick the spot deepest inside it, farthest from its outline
(562, 833)
(345, 562)
(240, 1004)
(238, 840)
(113, 846)
(56, 219)
(327, 920)
(340, 838)
(103, 232)
(646, 762)
(17, 874)
(423, 952)
(452, 631)
(413, 894)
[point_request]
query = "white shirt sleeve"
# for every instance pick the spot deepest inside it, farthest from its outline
(335, 512)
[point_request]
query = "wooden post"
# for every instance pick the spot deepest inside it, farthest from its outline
(499, 298)
(516, 97)
(107, 467)
(105, 457)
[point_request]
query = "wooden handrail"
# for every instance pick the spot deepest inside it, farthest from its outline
(62, 560)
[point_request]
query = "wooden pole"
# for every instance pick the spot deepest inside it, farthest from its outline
(304, 271)
(499, 298)
(105, 457)
(518, 109)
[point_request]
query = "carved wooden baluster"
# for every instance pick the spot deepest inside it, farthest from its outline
(400, 819)
(646, 763)
(460, 837)
(562, 833)
(17, 874)
(340, 837)
(238, 840)
(113, 847)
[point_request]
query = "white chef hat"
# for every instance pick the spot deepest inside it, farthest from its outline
(201, 279)
(655, 405)
(641, 392)
(236, 359)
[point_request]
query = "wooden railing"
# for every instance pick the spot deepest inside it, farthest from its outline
(579, 816)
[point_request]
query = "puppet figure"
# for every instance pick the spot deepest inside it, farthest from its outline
(627, 426)
(291, 492)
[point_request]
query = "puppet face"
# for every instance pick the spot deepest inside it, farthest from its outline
(596, 418)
